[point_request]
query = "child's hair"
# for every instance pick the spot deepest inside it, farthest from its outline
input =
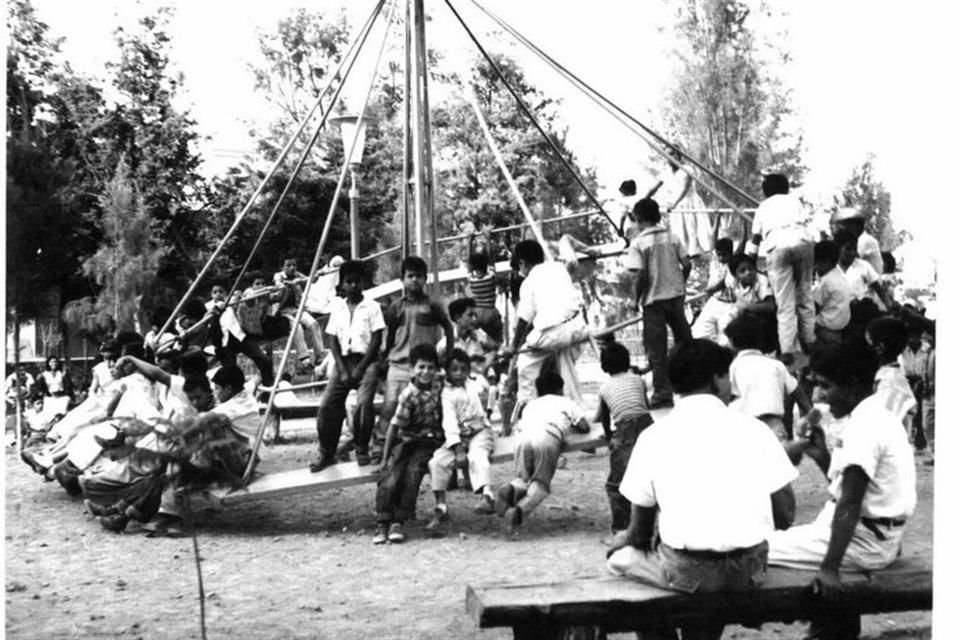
(459, 307)
(847, 363)
(425, 352)
(458, 355)
(218, 283)
(724, 245)
(693, 364)
(890, 335)
(844, 238)
(889, 262)
(745, 331)
(530, 251)
(478, 262)
(353, 268)
(159, 314)
(196, 382)
(739, 258)
(109, 347)
(647, 210)
(289, 259)
(614, 358)
(549, 382)
(193, 308)
(193, 363)
(412, 264)
(774, 184)
(826, 251)
(229, 375)
(131, 344)
(628, 188)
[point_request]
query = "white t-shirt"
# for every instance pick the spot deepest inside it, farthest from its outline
(869, 249)
(832, 296)
(760, 383)
(354, 331)
(139, 399)
(874, 440)
(244, 413)
(711, 470)
(890, 385)
(860, 275)
(547, 296)
(174, 403)
(550, 414)
(780, 222)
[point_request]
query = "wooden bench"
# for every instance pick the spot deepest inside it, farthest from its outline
(591, 607)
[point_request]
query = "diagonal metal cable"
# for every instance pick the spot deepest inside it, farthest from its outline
(600, 98)
(243, 213)
(315, 266)
(533, 119)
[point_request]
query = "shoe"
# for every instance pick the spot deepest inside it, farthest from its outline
(380, 536)
(396, 533)
(506, 498)
(98, 510)
(363, 458)
(116, 523)
(485, 507)
(36, 461)
(435, 526)
(322, 463)
(514, 518)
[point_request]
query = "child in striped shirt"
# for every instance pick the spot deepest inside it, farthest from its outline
(482, 287)
(624, 414)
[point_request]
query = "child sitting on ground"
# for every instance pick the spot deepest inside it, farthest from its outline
(546, 422)
(415, 432)
(832, 294)
(623, 414)
(888, 337)
(760, 383)
(467, 432)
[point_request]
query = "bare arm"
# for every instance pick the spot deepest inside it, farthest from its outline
(784, 506)
(845, 517)
(639, 533)
(151, 372)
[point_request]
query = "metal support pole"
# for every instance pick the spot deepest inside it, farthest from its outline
(354, 195)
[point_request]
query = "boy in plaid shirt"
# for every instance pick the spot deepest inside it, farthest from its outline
(415, 432)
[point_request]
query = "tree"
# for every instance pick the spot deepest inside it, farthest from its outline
(866, 193)
(728, 107)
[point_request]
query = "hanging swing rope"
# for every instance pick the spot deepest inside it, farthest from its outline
(315, 266)
(599, 97)
(523, 106)
(246, 209)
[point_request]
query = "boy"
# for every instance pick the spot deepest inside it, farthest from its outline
(289, 301)
(545, 424)
(467, 432)
(752, 294)
(482, 287)
(718, 309)
(915, 362)
(624, 415)
(832, 294)
(863, 279)
(760, 383)
(356, 330)
(413, 319)
(416, 430)
(661, 267)
(481, 348)
(230, 337)
(888, 337)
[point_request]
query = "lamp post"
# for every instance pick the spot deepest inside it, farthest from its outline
(348, 129)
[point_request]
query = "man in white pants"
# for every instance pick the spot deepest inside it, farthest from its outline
(872, 485)
(549, 323)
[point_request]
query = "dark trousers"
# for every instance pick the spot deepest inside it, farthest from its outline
(621, 446)
(248, 347)
(657, 316)
(332, 409)
(400, 479)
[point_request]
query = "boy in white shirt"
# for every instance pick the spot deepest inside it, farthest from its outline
(863, 279)
(545, 423)
(832, 294)
(888, 337)
(760, 383)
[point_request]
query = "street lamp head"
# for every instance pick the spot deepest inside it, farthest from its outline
(348, 130)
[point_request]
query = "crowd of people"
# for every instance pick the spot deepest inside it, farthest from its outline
(749, 384)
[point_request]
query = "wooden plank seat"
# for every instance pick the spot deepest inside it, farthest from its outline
(590, 607)
(345, 474)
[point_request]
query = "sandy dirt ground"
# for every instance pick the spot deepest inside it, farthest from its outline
(304, 567)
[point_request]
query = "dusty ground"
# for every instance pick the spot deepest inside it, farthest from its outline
(305, 567)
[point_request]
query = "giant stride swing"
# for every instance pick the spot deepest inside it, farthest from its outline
(418, 216)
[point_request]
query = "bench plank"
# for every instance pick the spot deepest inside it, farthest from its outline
(620, 604)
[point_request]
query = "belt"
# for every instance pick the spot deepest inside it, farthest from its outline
(874, 524)
(708, 554)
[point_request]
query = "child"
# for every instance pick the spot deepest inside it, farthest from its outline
(416, 431)
(480, 347)
(888, 337)
(467, 431)
(752, 294)
(289, 280)
(914, 363)
(863, 278)
(831, 295)
(414, 319)
(761, 383)
(623, 414)
(482, 287)
(719, 307)
(545, 424)
(355, 330)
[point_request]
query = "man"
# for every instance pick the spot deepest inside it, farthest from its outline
(661, 266)
(289, 301)
(549, 323)
(713, 532)
(853, 221)
(872, 484)
(780, 233)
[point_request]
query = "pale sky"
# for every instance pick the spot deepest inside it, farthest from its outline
(864, 75)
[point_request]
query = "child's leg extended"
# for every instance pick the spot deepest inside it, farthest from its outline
(390, 485)
(412, 475)
(478, 459)
(441, 469)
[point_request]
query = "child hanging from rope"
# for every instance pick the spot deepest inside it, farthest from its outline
(468, 433)
(545, 424)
